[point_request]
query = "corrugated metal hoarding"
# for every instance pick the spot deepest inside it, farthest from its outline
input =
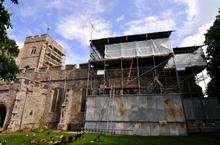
(202, 108)
(140, 115)
(202, 114)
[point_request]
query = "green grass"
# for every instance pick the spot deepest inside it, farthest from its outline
(88, 139)
(45, 137)
(41, 137)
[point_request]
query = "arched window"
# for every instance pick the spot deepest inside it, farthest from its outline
(33, 51)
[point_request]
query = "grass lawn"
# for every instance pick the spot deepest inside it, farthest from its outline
(48, 137)
(150, 140)
(40, 137)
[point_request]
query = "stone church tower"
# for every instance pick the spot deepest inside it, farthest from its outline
(46, 93)
(40, 51)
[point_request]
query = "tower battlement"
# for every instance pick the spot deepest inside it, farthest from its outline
(43, 37)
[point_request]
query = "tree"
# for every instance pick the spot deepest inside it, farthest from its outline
(212, 40)
(8, 47)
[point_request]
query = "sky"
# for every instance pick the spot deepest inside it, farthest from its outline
(69, 21)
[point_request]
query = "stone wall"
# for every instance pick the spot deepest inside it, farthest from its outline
(30, 99)
(29, 106)
(7, 97)
(72, 81)
(28, 59)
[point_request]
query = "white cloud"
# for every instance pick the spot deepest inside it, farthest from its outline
(63, 7)
(167, 13)
(207, 10)
(16, 37)
(28, 11)
(79, 28)
(191, 11)
(198, 38)
(77, 25)
(120, 18)
(200, 15)
(85, 6)
(149, 24)
(57, 4)
(20, 44)
(141, 7)
(192, 8)
(94, 6)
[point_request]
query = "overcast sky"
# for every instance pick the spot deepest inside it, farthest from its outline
(69, 21)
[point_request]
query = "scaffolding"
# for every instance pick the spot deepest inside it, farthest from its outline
(133, 73)
(135, 67)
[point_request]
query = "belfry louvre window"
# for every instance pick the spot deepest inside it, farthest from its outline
(33, 51)
(57, 99)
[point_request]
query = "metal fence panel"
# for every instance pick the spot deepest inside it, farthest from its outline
(202, 114)
(141, 115)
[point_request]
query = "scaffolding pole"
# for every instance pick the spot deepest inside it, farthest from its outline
(177, 75)
(122, 78)
(138, 76)
(87, 89)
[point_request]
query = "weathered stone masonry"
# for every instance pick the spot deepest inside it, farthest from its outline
(32, 100)
(45, 94)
